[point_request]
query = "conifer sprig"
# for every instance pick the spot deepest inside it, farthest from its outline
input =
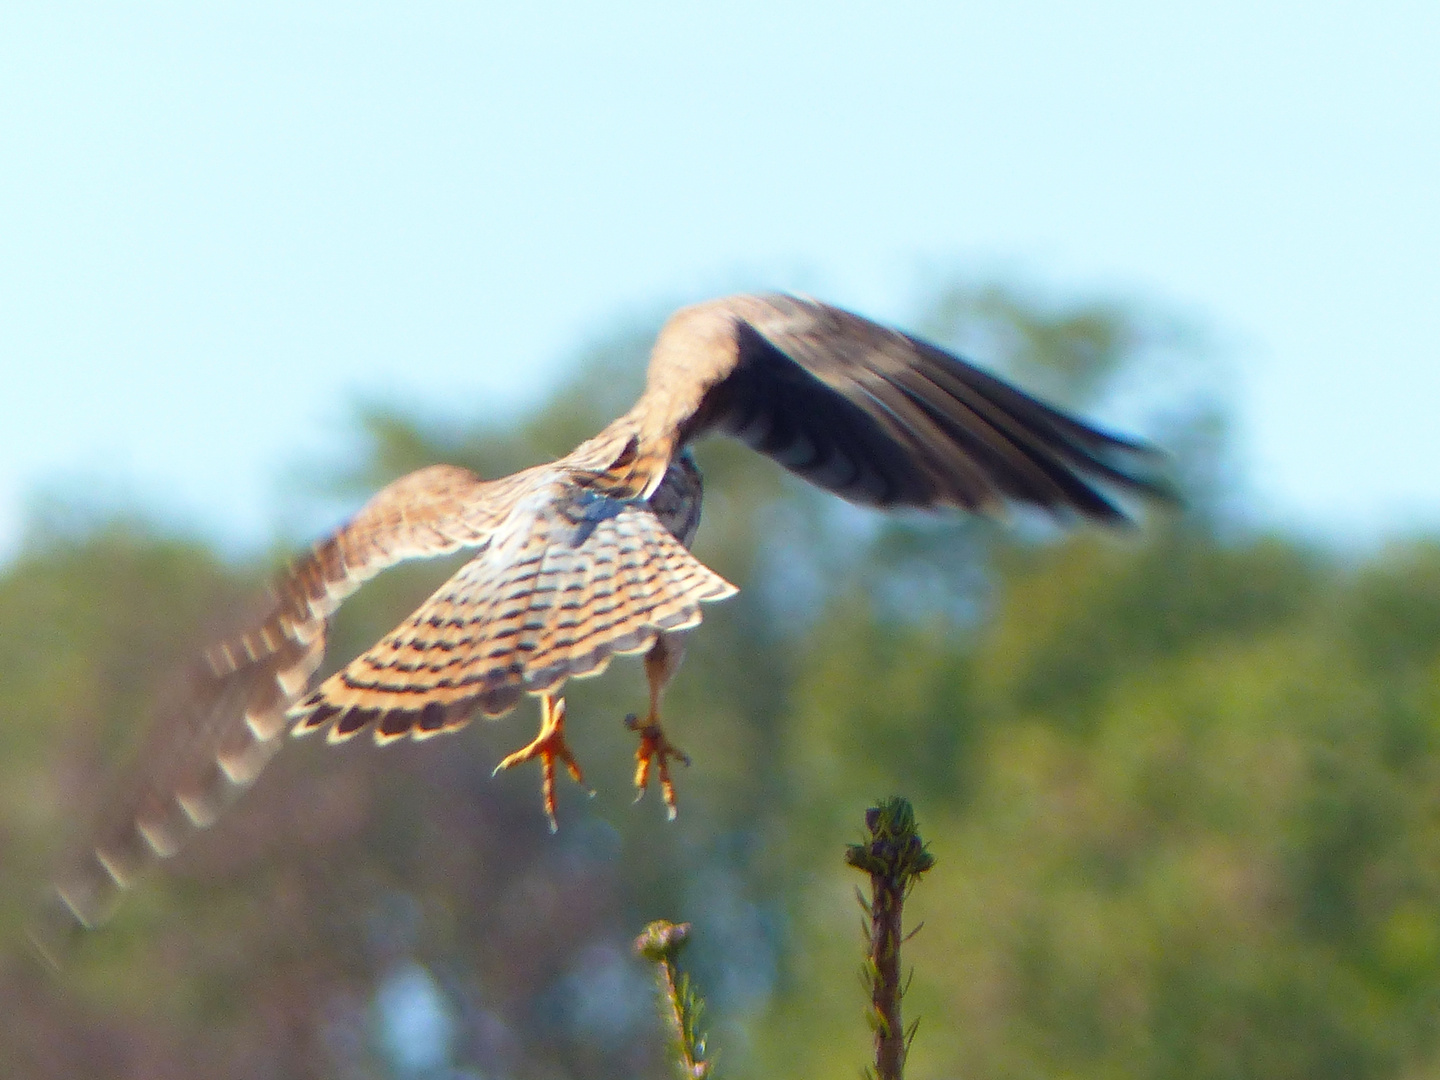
(680, 1006)
(894, 856)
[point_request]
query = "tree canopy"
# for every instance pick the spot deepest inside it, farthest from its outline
(1182, 787)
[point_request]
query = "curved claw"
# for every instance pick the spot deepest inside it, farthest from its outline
(655, 750)
(549, 746)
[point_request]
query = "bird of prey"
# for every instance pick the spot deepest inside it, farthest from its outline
(587, 557)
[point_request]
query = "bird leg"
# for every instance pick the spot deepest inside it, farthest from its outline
(655, 750)
(549, 745)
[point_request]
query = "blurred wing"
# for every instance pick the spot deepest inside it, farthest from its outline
(884, 419)
(571, 579)
(222, 723)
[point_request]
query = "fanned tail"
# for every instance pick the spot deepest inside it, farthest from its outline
(560, 591)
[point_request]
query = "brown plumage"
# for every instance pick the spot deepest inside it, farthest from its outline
(587, 557)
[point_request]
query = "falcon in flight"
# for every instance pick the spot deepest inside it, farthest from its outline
(588, 557)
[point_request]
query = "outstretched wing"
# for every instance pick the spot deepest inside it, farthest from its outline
(879, 417)
(223, 722)
(571, 578)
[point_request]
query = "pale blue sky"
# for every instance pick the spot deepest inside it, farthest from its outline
(221, 224)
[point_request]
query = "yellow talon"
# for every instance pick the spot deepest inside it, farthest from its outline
(655, 750)
(548, 746)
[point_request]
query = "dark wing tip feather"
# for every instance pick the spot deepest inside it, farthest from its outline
(888, 420)
(1129, 463)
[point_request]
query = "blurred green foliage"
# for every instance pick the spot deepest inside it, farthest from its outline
(1183, 786)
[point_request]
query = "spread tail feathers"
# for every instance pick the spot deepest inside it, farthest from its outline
(580, 583)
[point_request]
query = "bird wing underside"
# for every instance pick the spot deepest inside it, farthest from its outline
(567, 583)
(884, 419)
(222, 721)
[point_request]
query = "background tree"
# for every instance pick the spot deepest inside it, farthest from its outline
(1182, 787)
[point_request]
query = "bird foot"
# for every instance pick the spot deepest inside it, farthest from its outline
(655, 750)
(549, 746)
